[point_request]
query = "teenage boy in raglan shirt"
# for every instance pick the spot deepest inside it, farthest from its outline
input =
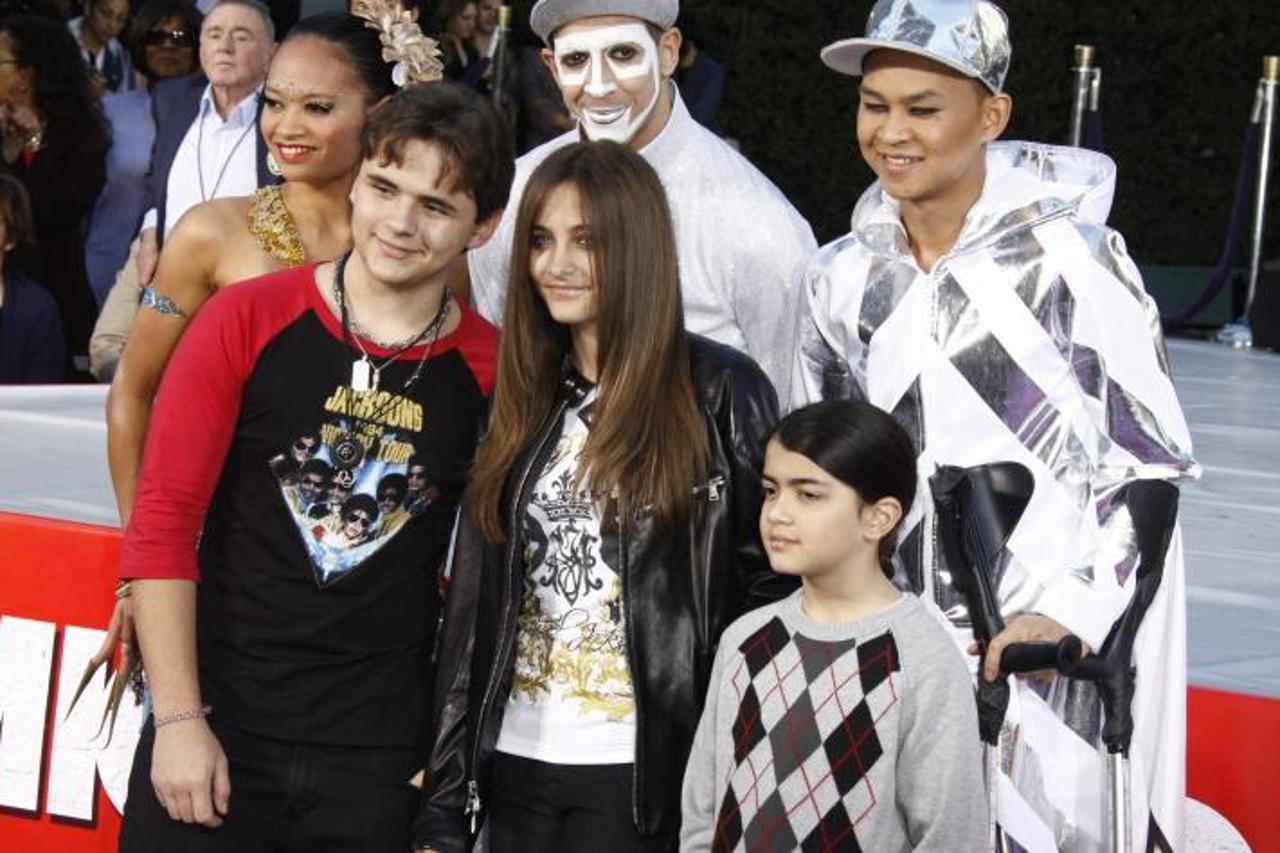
(289, 658)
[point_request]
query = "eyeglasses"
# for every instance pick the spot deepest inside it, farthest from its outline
(169, 38)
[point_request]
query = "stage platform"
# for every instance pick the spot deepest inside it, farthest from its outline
(1231, 517)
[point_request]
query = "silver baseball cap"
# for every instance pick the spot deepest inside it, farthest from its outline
(971, 36)
(550, 15)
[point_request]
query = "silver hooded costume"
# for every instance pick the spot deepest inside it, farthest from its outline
(742, 247)
(1031, 340)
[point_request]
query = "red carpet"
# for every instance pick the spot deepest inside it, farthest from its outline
(1233, 757)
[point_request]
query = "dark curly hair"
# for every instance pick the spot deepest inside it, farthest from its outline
(62, 93)
(151, 14)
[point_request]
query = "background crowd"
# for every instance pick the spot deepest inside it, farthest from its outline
(98, 99)
(79, 135)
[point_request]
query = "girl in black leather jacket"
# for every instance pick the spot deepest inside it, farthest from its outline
(609, 533)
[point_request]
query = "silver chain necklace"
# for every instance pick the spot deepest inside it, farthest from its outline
(365, 372)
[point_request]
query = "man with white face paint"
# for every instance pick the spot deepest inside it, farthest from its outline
(613, 74)
(742, 245)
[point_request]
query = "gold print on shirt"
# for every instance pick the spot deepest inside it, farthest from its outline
(590, 670)
(571, 645)
(381, 407)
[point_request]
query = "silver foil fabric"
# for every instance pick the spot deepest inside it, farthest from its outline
(1031, 340)
(971, 36)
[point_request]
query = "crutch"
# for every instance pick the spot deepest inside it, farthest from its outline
(1153, 508)
(977, 509)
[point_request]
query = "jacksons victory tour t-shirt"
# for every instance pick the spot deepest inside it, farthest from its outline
(322, 514)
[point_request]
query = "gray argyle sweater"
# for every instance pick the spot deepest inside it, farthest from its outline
(854, 736)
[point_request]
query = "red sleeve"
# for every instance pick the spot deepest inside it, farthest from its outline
(478, 345)
(193, 420)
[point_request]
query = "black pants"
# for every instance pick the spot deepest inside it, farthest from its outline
(284, 797)
(535, 807)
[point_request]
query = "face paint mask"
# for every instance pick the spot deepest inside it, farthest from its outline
(600, 62)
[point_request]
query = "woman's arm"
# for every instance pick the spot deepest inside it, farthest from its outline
(184, 280)
(64, 181)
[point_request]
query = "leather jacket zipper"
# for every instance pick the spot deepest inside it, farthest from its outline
(473, 805)
(629, 627)
(714, 488)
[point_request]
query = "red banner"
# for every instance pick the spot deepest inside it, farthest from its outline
(62, 785)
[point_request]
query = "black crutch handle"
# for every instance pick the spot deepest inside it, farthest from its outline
(1062, 656)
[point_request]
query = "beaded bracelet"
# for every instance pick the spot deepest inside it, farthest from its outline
(180, 716)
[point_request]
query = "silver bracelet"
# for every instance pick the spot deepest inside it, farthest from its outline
(159, 303)
(180, 716)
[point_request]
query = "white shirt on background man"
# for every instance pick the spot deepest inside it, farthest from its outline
(227, 164)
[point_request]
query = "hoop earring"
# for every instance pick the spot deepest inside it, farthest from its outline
(273, 166)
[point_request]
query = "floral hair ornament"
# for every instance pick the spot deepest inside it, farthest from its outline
(416, 57)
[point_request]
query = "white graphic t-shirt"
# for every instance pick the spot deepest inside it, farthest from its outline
(571, 700)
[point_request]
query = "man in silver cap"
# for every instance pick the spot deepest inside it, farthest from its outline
(981, 298)
(742, 246)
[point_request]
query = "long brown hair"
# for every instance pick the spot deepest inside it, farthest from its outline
(648, 442)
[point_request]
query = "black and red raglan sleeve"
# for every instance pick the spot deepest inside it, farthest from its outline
(193, 421)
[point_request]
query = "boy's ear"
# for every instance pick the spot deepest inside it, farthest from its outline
(996, 111)
(484, 229)
(880, 518)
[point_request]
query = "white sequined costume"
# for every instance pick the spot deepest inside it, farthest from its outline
(1031, 340)
(742, 247)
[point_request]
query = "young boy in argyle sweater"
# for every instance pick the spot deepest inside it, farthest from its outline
(841, 718)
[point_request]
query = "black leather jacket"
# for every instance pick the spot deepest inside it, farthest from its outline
(679, 593)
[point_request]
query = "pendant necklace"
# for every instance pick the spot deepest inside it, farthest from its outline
(366, 373)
